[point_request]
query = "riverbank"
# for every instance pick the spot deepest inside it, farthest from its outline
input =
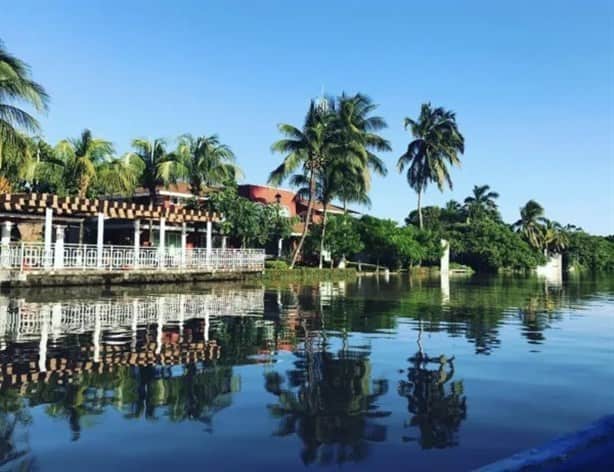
(11, 280)
(304, 274)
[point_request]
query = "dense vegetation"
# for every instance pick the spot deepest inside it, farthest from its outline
(329, 158)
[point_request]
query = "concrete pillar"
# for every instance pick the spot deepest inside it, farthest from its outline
(42, 345)
(280, 245)
(181, 315)
(444, 265)
(137, 242)
(209, 246)
(56, 321)
(5, 256)
(97, 332)
(162, 242)
(135, 318)
(99, 240)
(160, 303)
(48, 237)
(224, 242)
(206, 327)
(58, 253)
(184, 243)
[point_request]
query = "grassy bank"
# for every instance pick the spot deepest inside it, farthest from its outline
(308, 274)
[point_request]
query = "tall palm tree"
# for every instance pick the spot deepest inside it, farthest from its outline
(204, 161)
(308, 148)
(555, 237)
(481, 202)
(530, 223)
(80, 157)
(153, 165)
(115, 176)
(358, 140)
(436, 145)
(17, 88)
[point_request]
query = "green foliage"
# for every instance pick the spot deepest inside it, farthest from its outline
(276, 264)
(341, 238)
(488, 246)
(252, 224)
(587, 252)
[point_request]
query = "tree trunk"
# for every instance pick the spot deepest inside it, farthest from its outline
(420, 209)
(312, 188)
(323, 235)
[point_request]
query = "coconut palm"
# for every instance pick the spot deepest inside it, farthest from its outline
(356, 132)
(555, 238)
(80, 158)
(115, 176)
(436, 145)
(16, 89)
(530, 223)
(153, 165)
(481, 202)
(309, 149)
(204, 161)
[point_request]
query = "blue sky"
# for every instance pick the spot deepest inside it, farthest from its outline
(531, 83)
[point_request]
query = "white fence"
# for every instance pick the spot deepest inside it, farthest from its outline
(34, 256)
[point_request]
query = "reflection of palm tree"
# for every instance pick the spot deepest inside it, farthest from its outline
(12, 413)
(436, 410)
(331, 408)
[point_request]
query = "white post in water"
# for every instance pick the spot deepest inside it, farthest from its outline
(445, 272)
(137, 242)
(99, 240)
(280, 245)
(184, 243)
(58, 254)
(209, 246)
(6, 244)
(48, 237)
(162, 241)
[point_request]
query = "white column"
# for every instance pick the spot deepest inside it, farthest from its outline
(58, 253)
(444, 265)
(56, 321)
(135, 318)
(160, 325)
(137, 242)
(99, 240)
(181, 315)
(6, 242)
(224, 242)
(184, 243)
(48, 237)
(162, 242)
(97, 332)
(206, 327)
(280, 245)
(209, 247)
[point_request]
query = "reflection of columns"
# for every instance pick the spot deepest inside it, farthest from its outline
(181, 315)
(206, 328)
(445, 288)
(137, 242)
(224, 241)
(184, 243)
(160, 306)
(48, 237)
(58, 255)
(6, 242)
(280, 245)
(99, 240)
(135, 317)
(97, 332)
(209, 241)
(42, 346)
(56, 320)
(162, 241)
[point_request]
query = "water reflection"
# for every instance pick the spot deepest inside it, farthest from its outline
(311, 355)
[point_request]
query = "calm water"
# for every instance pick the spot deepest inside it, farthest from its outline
(406, 375)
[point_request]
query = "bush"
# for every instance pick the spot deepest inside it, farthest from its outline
(276, 264)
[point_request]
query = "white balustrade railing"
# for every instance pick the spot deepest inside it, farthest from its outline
(34, 256)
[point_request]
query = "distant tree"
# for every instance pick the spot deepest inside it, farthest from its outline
(530, 224)
(153, 165)
(204, 161)
(80, 158)
(482, 203)
(555, 238)
(436, 145)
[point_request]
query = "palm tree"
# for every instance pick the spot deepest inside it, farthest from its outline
(356, 133)
(115, 176)
(153, 165)
(530, 223)
(555, 237)
(80, 157)
(437, 144)
(16, 88)
(308, 148)
(204, 161)
(482, 202)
